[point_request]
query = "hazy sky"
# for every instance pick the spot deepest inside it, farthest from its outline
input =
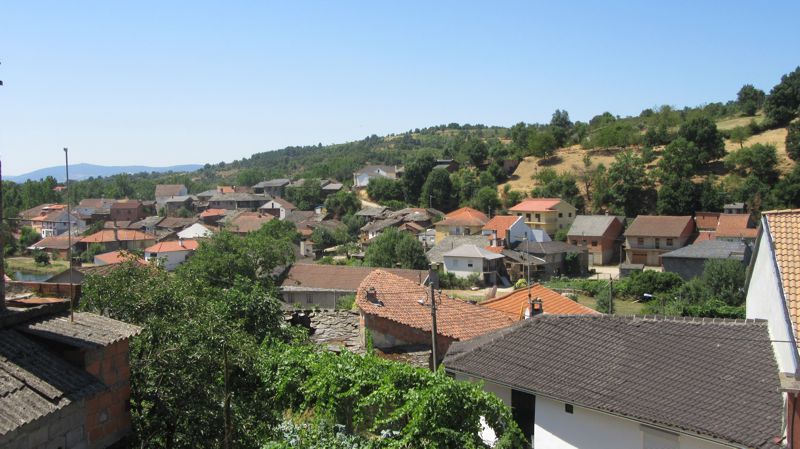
(167, 82)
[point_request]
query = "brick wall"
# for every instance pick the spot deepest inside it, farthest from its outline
(387, 334)
(108, 416)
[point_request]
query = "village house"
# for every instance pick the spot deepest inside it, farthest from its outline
(277, 207)
(116, 239)
(93, 210)
(505, 230)
(413, 220)
(773, 294)
(608, 381)
(396, 313)
(736, 228)
(464, 221)
(362, 177)
(113, 257)
(196, 231)
(330, 187)
(446, 164)
(237, 201)
(735, 208)
(689, 262)
(26, 216)
(547, 214)
(247, 222)
(272, 187)
(170, 254)
(650, 236)
(436, 253)
(147, 225)
(601, 235)
(554, 259)
(524, 303)
(173, 207)
(66, 383)
(473, 260)
(127, 210)
(57, 247)
(164, 192)
(175, 224)
(313, 285)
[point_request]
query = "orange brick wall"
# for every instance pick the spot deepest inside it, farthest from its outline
(108, 414)
(402, 334)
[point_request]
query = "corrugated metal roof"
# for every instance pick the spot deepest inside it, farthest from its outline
(86, 331)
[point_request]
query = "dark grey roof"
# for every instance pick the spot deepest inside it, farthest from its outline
(380, 225)
(148, 222)
(710, 249)
(178, 199)
(591, 225)
(34, 383)
(436, 254)
(541, 248)
(239, 196)
(280, 182)
(522, 257)
(372, 211)
(86, 331)
(711, 377)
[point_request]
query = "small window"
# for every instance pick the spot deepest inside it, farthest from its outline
(569, 215)
(658, 242)
(568, 408)
(309, 298)
(469, 265)
(574, 242)
(594, 242)
(560, 215)
(669, 242)
(640, 241)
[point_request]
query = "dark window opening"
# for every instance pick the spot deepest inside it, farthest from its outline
(568, 408)
(523, 409)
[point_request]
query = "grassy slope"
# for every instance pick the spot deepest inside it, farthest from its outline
(27, 265)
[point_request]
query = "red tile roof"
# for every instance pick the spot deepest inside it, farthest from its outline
(494, 249)
(706, 220)
(784, 229)
(501, 223)
(399, 298)
(115, 257)
(126, 204)
(212, 213)
(660, 226)
(466, 216)
(57, 243)
(516, 302)
(173, 246)
(107, 235)
(702, 236)
(249, 221)
(340, 277)
(536, 205)
(736, 225)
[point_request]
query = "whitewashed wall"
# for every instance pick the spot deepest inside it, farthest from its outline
(460, 266)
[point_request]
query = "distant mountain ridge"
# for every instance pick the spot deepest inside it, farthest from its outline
(78, 172)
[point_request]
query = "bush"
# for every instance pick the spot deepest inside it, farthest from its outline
(346, 302)
(652, 282)
(41, 257)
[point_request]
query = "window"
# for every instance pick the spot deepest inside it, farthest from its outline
(568, 408)
(594, 242)
(469, 265)
(560, 215)
(669, 242)
(569, 215)
(538, 217)
(640, 241)
(658, 242)
(574, 242)
(309, 298)
(528, 217)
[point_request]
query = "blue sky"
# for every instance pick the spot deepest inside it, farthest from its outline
(161, 83)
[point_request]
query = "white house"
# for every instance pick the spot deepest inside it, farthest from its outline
(610, 382)
(505, 230)
(467, 260)
(278, 208)
(171, 253)
(361, 178)
(195, 231)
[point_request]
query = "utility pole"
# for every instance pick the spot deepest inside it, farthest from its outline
(2, 246)
(69, 240)
(610, 295)
(227, 402)
(431, 277)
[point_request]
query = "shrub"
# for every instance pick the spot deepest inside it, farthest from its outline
(41, 257)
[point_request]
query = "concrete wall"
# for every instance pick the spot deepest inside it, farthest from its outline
(687, 268)
(765, 300)
(169, 260)
(460, 266)
(61, 429)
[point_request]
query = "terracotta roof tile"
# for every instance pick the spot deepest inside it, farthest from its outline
(466, 216)
(173, 246)
(213, 213)
(501, 223)
(114, 257)
(249, 221)
(340, 277)
(736, 225)
(784, 229)
(706, 220)
(165, 190)
(108, 235)
(399, 303)
(516, 302)
(536, 205)
(660, 226)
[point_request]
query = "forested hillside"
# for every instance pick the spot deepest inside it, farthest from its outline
(664, 160)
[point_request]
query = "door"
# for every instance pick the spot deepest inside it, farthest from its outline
(523, 408)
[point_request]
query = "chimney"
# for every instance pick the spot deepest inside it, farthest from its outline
(372, 296)
(537, 307)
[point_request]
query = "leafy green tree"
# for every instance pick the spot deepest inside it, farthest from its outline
(41, 257)
(477, 151)
(342, 203)
(416, 171)
(703, 133)
(725, 279)
(786, 193)
(793, 141)
(465, 184)
(437, 192)
(740, 134)
(783, 103)
(307, 196)
(384, 189)
(542, 144)
(758, 160)
(28, 236)
(519, 135)
(630, 189)
(676, 196)
(750, 99)
(249, 177)
(558, 185)
(614, 134)
(394, 248)
(560, 126)
(712, 196)
(487, 200)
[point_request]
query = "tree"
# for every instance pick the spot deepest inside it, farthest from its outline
(416, 171)
(385, 189)
(712, 196)
(783, 103)
(560, 126)
(41, 257)
(342, 203)
(750, 99)
(703, 133)
(477, 151)
(676, 195)
(542, 144)
(558, 185)
(725, 280)
(249, 177)
(394, 248)
(437, 192)
(740, 134)
(759, 160)
(486, 200)
(786, 193)
(630, 189)
(793, 141)
(28, 236)
(307, 196)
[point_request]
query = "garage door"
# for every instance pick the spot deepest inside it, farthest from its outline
(639, 258)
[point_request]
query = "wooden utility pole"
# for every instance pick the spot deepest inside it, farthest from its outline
(431, 276)
(69, 241)
(227, 402)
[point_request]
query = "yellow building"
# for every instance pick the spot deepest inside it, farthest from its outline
(464, 221)
(547, 214)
